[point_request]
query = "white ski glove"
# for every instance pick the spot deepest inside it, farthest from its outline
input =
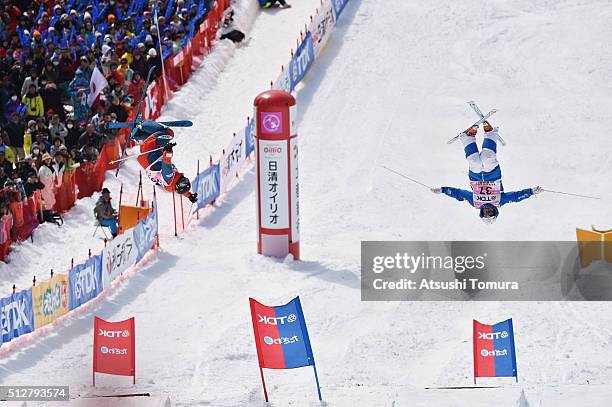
(436, 190)
(537, 190)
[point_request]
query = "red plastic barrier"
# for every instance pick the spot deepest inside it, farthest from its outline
(113, 149)
(5, 235)
(65, 193)
(25, 214)
(85, 176)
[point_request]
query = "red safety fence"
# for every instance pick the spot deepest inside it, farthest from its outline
(89, 176)
(25, 217)
(5, 235)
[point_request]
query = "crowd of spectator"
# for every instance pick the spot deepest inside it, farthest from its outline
(48, 53)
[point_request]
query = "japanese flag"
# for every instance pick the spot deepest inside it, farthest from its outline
(96, 85)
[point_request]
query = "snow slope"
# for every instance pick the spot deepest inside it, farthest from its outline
(389, 89)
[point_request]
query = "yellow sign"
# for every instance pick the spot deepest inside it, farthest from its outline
(594, 245)
(50, 299)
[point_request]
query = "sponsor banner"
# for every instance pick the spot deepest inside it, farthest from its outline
(494, 352)
(85, 281)
(295, 192)
(233, 158)
(16, 315)
(114, 347)
(321, 26)
(274, 182)
(51, 299)
(281, 336)
(302, 60)
(339, 6)
(207, 186)
(250, 131)
(145, 233)
(118, 256)
(283, 82)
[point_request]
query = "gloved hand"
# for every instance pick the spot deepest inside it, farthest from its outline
(436, 190)
(169, 146)
(537, 190)
(193, 198)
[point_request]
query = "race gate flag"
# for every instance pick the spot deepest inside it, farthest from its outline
(278, 186)
(494, 352)
(281, 335)
(281, 338)
(114, 350)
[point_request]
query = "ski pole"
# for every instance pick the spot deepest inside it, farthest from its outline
(569, 193)
(405, 176)
(136, 155)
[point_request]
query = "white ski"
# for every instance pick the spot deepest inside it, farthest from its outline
(478, 123)
(479, 113)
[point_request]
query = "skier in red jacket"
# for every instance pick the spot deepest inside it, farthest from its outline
(157, 141)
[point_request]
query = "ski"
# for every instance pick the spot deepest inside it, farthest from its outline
(483, 119)
(144, 93)
(129, 125)
(479, 113)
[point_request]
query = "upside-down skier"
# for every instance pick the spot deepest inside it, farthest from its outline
(156, 158)
(487, 193)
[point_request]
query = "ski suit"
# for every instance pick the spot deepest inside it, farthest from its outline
(485, 176)
(157, 164)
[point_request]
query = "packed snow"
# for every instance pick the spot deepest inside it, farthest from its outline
(389, 89)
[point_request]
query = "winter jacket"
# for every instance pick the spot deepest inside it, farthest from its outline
(35, 104)
(104, 210)
(506, 197)
(31, 187)
(58, 130)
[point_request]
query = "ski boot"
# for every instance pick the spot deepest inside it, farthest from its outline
(471, 131)
(487, 127)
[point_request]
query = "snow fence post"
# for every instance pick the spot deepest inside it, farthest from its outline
(277, 174)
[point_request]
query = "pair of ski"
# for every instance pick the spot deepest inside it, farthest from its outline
(137, 121)
(483, 118)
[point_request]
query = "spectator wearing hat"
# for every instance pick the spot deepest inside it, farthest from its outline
(79, 89)
(105, 213)
(47, 175)
(153, 61)
(34, 101)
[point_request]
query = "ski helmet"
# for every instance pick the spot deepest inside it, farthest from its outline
(183, 185)
(488, 213)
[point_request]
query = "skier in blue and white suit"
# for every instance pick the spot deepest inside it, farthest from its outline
(487, 193)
